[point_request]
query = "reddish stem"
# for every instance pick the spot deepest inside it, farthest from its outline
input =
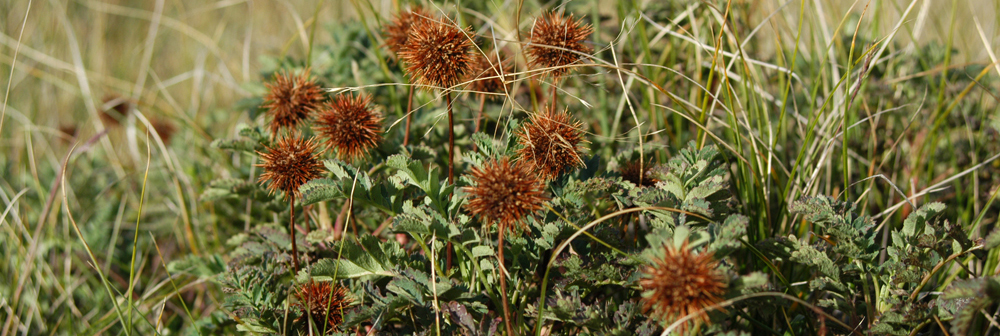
(291, 230)
(451, 166)
(482, 106)
(451, 140)
(479, 118)
(503, 285)
(553, 96)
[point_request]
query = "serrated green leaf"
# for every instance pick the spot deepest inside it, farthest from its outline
(212, 194)
(256, 133)
(200, 266)
(992, 240)
(751, 283)
(808, 255)
(330, 269)
(373, 246)
(254, 328)
(960, 289)
(247, 146)
(406, 288)
(916, 222)
(320, 190)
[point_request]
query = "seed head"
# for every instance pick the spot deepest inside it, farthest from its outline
(632, 172)
(488, 74)
(349, 124)
(682, 283)
(437, 53)
(323, 302)
(115, 108)
(68, 130)
(504, 193)
(397, 32)
(164, 129)
(556, 41)
(290, 100)
(550, 143)
(288, 165)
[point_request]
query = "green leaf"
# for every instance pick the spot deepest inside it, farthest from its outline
(212, 194)
(407, 288)
(320, 190)
(482, 251)
(373, 246)
(411, 172)
(992, 240)
(256, 133)
(965, 317)
(355, 262)
(251, 147)
(346, 172)
(961, 289)
(729, 235)
(200, 266)
(413, 220)
(807, 255)
(255, 328)
(485, 264)
(330, 269)
(917, 221)
(751, 283)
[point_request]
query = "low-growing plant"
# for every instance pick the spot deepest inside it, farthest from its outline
(512, 168)
(529, 232)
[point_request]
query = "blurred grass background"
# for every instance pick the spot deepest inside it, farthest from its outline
(187, 64)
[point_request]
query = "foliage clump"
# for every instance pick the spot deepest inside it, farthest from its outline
(641, 169)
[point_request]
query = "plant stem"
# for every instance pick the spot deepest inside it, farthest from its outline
(451, 166)
(451, 140)
(482, 106)
(479, 118)
(409, 115)
(503, 285)
(520, 46)
(291, 231)
(305, 218)
(338, 226)
(552, 96)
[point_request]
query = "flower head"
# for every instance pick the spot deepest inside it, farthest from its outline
(437, 53)
(682, 283)
(288, 165)
(551, 143)
(556, 41)
(290, 100)
(323, 303)
(504, 193)
(397, 32)
(350, 125)
(637, 173)
(487, 74)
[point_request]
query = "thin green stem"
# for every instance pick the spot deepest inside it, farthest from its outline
(135, 238)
